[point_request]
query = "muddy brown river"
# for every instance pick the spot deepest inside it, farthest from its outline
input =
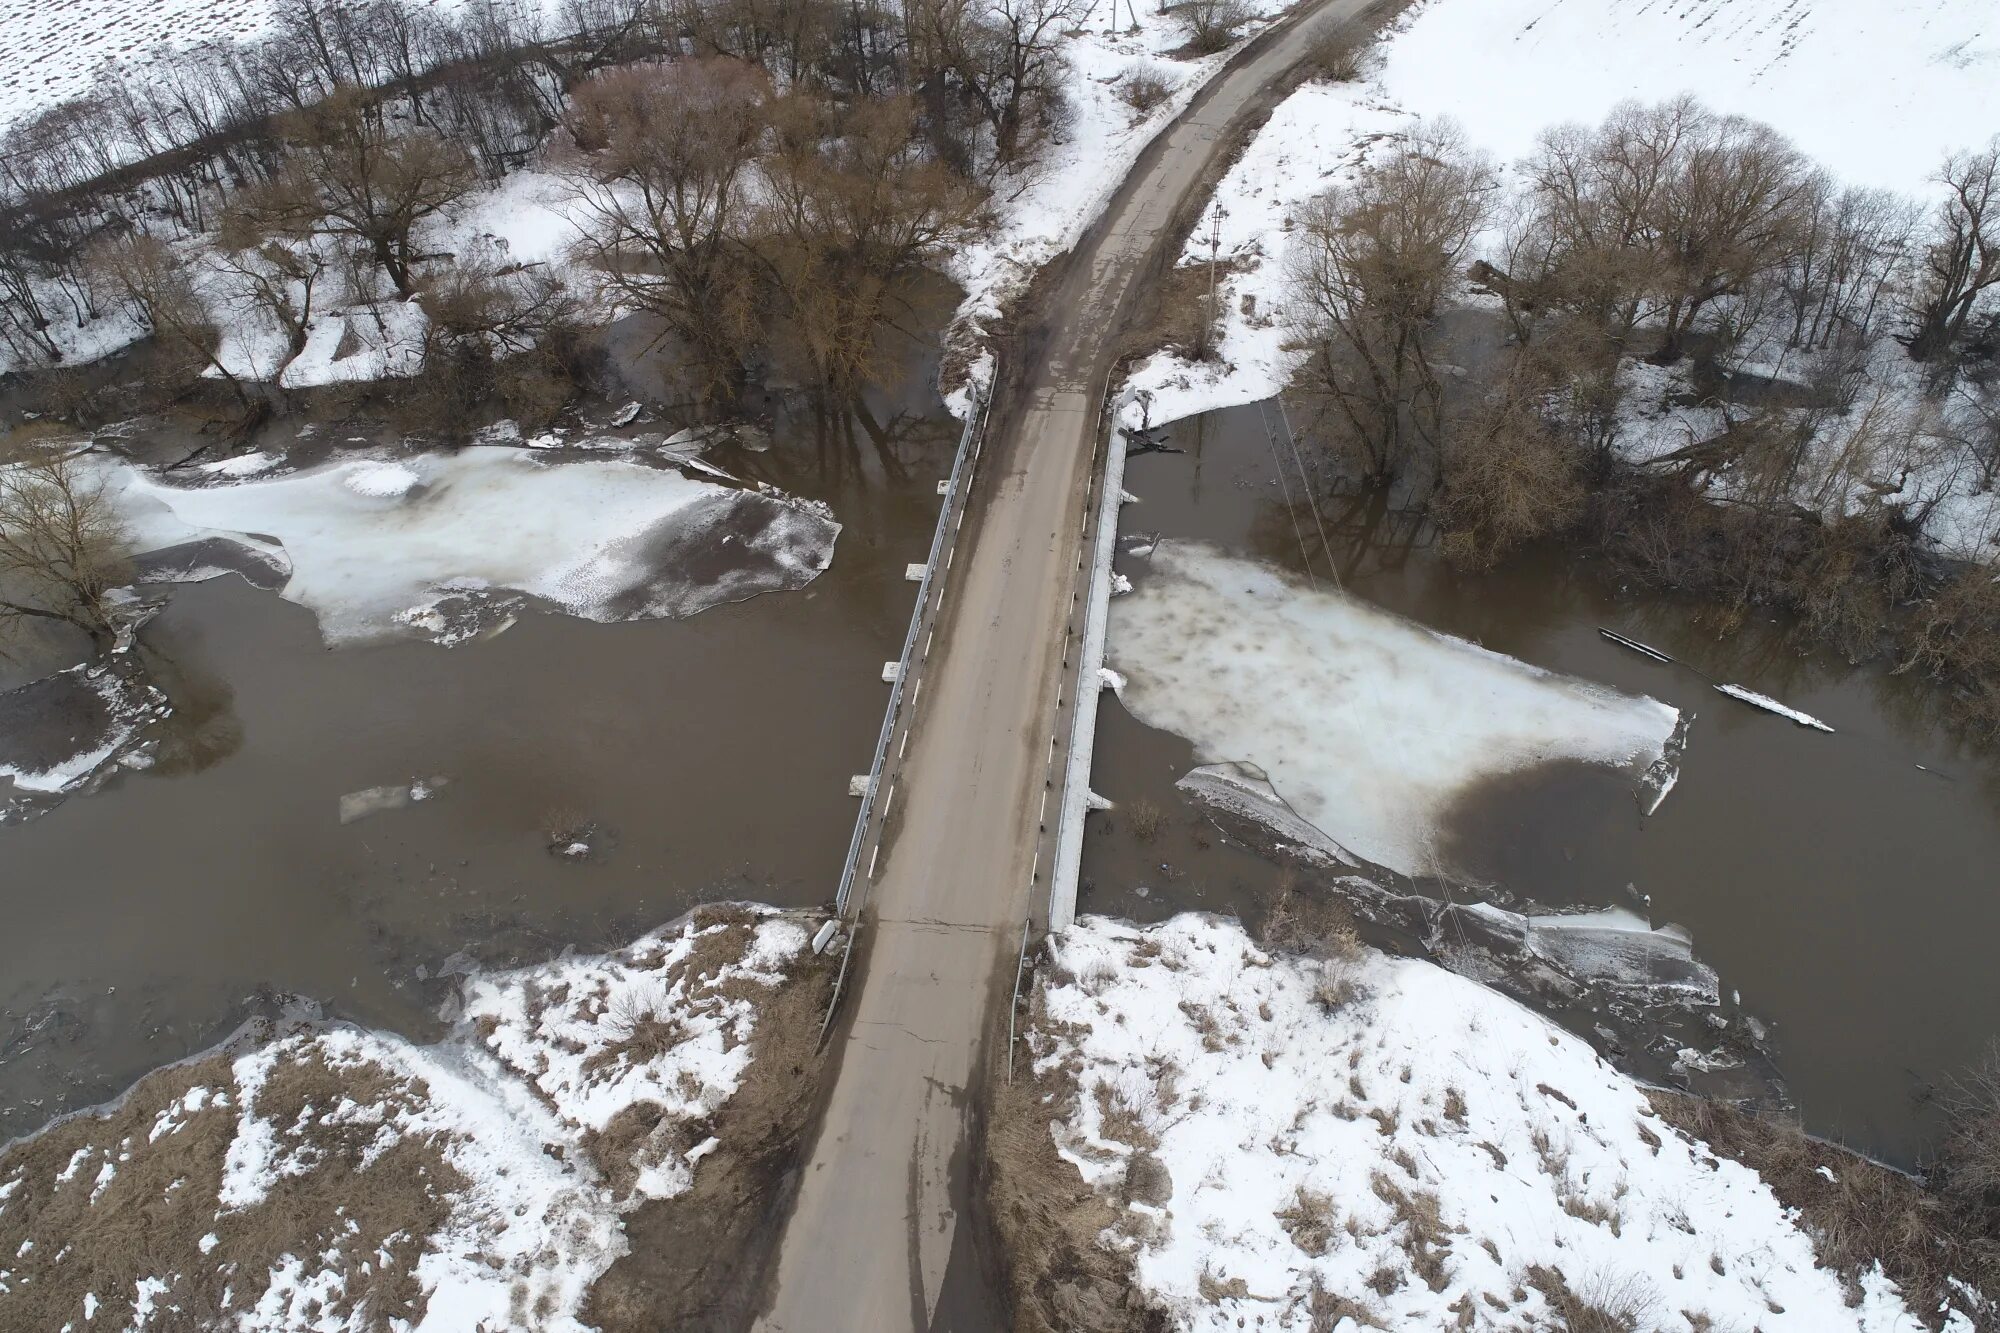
(712, 754)
(1842, 885)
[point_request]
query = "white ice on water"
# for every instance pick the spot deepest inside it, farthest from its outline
(1770, 705)
(1368, 724)
(375, 543)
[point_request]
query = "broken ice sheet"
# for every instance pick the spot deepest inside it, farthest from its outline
(1370, 725)
(379, 546)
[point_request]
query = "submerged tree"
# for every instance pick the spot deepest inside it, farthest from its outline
(660, 157)
(856, 208)
(1372, 268)
(62, 548)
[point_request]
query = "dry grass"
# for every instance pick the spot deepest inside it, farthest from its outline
(1604, 1303)
(1059, 1275)
(696, 1259)
(353, 1207)
(1143, 90)
(1865, 1213)
(1312, 1222)
(1426, 1237)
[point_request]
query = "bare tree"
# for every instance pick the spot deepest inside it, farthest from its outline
(1004, 54)
(348, 173)
(146, 273)
(661, 155)
(1374, 263)
(855, 209)
(274, 277)
(1850, 247)
(1731, 214)
(1962, 259)
(62, 547)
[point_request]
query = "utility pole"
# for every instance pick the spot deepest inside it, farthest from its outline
(1210, 312)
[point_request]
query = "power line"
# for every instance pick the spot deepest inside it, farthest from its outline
(1291, 437)
(1285, 486)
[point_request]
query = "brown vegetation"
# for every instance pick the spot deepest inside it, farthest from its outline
(696, 1258)
(364, 1209)
(1059, 1274)
(1858, 1212)
(62, 547)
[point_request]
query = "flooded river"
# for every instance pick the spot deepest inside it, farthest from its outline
(711, 755)
(1842, 885)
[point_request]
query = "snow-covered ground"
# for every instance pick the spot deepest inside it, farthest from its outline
(1368, 724)
(1041, 209)
(335, 1177)
(1876, 90)
(433, 543)
(1365, 1142)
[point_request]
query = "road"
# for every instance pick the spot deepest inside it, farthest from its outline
(875, 1218)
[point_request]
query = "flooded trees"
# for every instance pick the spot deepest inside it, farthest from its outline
(658, 164)
(1370, 274)
(856, 208)
(62, 548)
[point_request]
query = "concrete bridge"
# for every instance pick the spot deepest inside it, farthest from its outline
(957, 852)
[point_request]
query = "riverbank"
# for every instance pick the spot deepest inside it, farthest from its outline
(306, 1172)
(1246, 1135)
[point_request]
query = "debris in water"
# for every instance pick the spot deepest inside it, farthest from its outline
(1634, 645)
(627, 414)
(374, 800)
(1770, 705)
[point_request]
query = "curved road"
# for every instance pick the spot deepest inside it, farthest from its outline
(875, 1220)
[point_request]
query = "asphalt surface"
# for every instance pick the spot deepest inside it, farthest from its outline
(875, 1219)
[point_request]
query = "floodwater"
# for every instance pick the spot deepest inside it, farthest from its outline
(712, 754)
(1843, 885)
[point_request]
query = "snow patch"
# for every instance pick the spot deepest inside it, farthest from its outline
(1291, 1123)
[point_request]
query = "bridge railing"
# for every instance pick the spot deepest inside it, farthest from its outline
(951, 515)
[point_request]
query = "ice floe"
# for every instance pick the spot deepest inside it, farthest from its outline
(1368, 724)
(1770, 705)
(429, 542)
(60, 734)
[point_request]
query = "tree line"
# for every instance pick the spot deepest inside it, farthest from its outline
(735, 163)
(1841, 341)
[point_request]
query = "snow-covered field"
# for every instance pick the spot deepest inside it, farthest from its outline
(1368, 724)
(1366, 1142)
(434, 543)
(1876, 90)
(337, 1178)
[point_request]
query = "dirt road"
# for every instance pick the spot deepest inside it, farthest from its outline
(875, 1220)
